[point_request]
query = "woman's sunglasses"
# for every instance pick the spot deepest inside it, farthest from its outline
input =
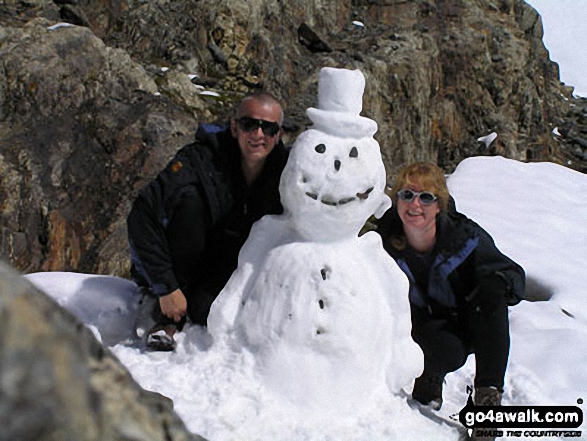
(426, 198)
(252, 124)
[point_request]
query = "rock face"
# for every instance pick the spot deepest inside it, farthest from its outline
(572, 134)
(89, 113)
(81, 131)
(57, 382)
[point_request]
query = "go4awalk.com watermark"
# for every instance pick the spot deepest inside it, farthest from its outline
(522, 421)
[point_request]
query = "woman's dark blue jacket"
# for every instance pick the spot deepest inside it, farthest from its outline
(464, 255)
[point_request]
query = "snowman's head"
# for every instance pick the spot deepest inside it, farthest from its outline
(331, 185)
(335, 179)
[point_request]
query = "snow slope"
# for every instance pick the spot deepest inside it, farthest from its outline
(537, 214)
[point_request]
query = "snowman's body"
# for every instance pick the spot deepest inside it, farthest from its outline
(325, 311)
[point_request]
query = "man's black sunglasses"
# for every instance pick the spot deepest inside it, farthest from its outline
(251, 124)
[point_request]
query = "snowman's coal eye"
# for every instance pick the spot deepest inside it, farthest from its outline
(320, 148)
(354, 153)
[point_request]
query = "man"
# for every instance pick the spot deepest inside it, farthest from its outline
(187, 226)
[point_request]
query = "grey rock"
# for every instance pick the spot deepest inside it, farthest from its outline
(57, 382)
(581, 141)
(310, 39)
(83, 129)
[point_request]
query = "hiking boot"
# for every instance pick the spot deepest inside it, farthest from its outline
(487, 396)
(160, 338)
(428, 390)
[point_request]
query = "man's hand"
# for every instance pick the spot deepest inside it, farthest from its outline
(174, 305)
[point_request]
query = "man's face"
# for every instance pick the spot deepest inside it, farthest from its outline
(256, 138)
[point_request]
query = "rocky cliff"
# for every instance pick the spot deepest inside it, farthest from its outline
(97, 95)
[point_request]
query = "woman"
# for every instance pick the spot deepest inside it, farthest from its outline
(460, 285)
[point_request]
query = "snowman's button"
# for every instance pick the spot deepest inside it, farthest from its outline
(320, 148)
(354, 153)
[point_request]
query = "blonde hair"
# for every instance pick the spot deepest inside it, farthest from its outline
(426, 175)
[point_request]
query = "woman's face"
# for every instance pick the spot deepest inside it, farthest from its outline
(414, 214)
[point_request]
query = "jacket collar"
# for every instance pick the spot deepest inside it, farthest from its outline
(449, 237)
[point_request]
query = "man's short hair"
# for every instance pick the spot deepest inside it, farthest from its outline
(264, 98)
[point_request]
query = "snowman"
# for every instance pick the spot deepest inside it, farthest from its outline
(323, 310)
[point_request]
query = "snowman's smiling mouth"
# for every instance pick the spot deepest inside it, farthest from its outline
(333, 203)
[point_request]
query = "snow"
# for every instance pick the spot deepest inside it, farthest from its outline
(103, 303)
(324, 311)
(535, 212)
(59, 25)
(488, 139)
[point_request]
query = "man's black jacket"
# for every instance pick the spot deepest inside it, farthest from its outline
(209, 169)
